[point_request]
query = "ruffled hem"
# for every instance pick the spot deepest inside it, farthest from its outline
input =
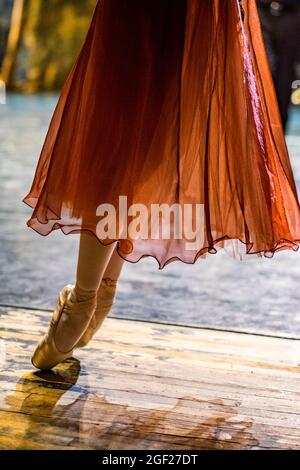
(222, 243)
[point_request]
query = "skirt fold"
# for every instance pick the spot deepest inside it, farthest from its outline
(170, 102)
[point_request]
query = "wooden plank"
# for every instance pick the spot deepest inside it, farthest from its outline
(144, 385)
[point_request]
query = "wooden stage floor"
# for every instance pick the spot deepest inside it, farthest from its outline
(143, 385)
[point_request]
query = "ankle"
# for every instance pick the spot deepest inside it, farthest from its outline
(107, 281)
(83, 294)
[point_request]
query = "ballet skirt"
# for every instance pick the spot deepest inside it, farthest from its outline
(170, 104)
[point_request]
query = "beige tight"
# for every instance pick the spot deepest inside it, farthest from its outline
(95, 262)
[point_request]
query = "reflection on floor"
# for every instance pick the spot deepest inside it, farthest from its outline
(143, 385)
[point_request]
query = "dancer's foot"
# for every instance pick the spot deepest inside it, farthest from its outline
(69, 322)
(105, 300)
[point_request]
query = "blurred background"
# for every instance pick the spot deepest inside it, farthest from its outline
(39, 40)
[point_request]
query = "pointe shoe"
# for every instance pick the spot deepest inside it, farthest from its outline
(105, 300)
(47, 355)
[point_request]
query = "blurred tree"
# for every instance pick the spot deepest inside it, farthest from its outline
(5, 16)
(44, 39)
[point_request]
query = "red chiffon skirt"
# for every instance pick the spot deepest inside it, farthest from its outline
(170, 102)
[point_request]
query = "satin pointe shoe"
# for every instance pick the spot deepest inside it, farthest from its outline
(105, 300)
(47, 355)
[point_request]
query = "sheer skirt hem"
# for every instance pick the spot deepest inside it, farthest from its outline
(215, 246)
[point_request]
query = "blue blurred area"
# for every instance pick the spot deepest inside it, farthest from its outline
(293, 127)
